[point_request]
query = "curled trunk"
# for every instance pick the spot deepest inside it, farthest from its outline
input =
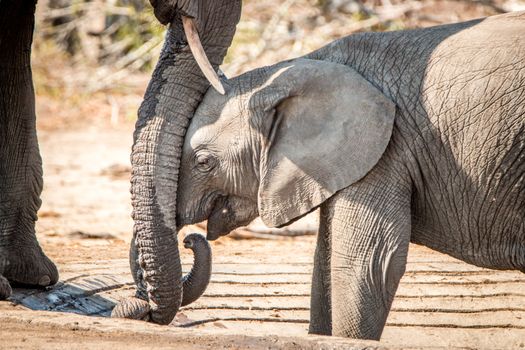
(193, 284)
(175, 90)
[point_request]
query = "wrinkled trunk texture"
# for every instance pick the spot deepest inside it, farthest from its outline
(175, 90)
(195, 282)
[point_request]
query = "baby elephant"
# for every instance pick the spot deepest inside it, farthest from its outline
(410, 136)
(193, 284)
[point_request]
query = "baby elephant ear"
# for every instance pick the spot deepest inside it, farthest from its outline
(329, 127)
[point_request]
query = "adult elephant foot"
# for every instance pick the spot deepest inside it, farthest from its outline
(28, 265)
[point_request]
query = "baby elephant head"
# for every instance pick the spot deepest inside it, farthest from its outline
(281, 141)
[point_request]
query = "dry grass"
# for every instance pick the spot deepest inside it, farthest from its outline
(74, 91)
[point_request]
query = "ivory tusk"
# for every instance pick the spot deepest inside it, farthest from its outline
(200, 56)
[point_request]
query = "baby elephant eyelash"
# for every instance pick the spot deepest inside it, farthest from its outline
(204, 162)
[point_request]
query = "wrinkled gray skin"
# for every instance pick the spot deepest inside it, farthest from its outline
(411, 136)
(176, 88)
(193, 284)
(22, 261)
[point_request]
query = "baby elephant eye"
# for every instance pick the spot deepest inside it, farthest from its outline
(204, 162)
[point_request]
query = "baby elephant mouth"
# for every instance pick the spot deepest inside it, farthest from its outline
(228, 213)
(220, 220)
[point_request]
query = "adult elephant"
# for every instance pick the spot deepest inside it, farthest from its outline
(402, 136)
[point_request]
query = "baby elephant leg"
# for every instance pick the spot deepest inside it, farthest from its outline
(320, 301)
(370, 228)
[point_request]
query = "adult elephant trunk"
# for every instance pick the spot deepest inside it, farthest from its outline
(176, 88)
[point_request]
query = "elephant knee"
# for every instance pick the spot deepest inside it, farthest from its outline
(391, 269)
(362, 292)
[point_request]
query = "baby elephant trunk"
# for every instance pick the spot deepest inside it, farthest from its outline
(193, 284)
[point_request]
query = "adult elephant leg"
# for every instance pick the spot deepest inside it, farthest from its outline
(370, 229)
(21, 258)
(320, 301)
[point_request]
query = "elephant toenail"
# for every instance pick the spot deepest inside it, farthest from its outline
(44, 281)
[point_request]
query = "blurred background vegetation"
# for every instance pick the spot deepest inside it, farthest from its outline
(92, 58)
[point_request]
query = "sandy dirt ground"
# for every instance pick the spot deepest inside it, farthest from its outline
(259, 293)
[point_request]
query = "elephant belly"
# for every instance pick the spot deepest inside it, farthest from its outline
(472, 205)
(469, 168)
(499, 248)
